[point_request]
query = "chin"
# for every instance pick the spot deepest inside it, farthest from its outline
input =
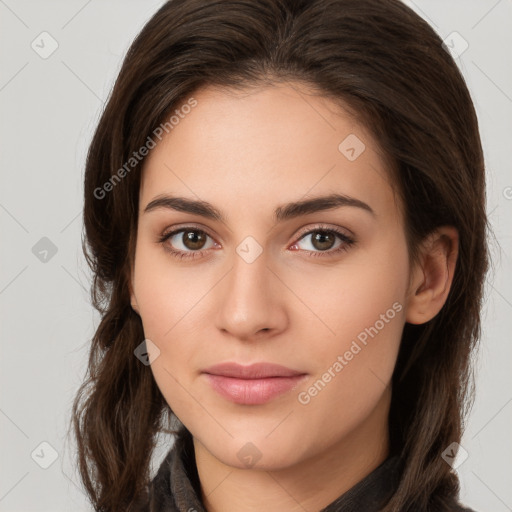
(255, 449)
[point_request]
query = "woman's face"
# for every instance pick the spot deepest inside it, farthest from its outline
(319, 290)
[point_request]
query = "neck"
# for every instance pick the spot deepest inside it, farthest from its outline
(310, 484)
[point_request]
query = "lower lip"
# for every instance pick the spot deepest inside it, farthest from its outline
(252, 391)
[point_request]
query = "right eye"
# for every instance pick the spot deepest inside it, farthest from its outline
(187, 242)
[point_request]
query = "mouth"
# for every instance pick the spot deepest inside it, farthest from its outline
(254, 384)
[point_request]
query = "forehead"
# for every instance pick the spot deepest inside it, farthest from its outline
(265, 145)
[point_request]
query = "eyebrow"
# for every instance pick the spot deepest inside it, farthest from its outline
(284, 212)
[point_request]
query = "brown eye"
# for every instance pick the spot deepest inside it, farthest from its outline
(194, 240)
(186, 242)
(323, 240)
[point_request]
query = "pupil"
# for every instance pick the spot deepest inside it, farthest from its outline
(193, 239)
(323, 240)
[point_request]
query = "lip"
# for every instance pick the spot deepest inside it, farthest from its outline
(254, 384)
(252, 371)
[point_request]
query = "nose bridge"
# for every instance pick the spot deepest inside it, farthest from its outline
(249, 300)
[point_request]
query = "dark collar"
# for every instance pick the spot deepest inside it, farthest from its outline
(176, 486)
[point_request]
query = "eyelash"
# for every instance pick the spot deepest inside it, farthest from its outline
(347, 243)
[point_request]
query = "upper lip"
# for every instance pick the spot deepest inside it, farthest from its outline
(252, 371)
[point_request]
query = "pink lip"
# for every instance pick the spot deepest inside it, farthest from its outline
(254, 384)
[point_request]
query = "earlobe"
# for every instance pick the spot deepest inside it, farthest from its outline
(432, 282)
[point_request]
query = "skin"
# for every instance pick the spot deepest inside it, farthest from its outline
(248, 153)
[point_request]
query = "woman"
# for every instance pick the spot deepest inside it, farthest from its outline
(285, 217)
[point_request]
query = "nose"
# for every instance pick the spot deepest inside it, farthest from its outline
(251, 301)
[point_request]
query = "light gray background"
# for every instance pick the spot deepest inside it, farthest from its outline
(48, 110)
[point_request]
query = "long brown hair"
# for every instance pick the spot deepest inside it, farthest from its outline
(389, 67)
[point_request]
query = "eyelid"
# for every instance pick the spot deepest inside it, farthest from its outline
(325, 227)
(184, 226)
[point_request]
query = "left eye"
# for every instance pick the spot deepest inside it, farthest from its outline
(324, 240)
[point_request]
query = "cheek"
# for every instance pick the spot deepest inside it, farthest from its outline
(166, 293)
(361, 306)
(166, 297)
(352, 368)
(362, 298)
(169, 298)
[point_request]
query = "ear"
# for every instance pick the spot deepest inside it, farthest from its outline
(432, 277)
